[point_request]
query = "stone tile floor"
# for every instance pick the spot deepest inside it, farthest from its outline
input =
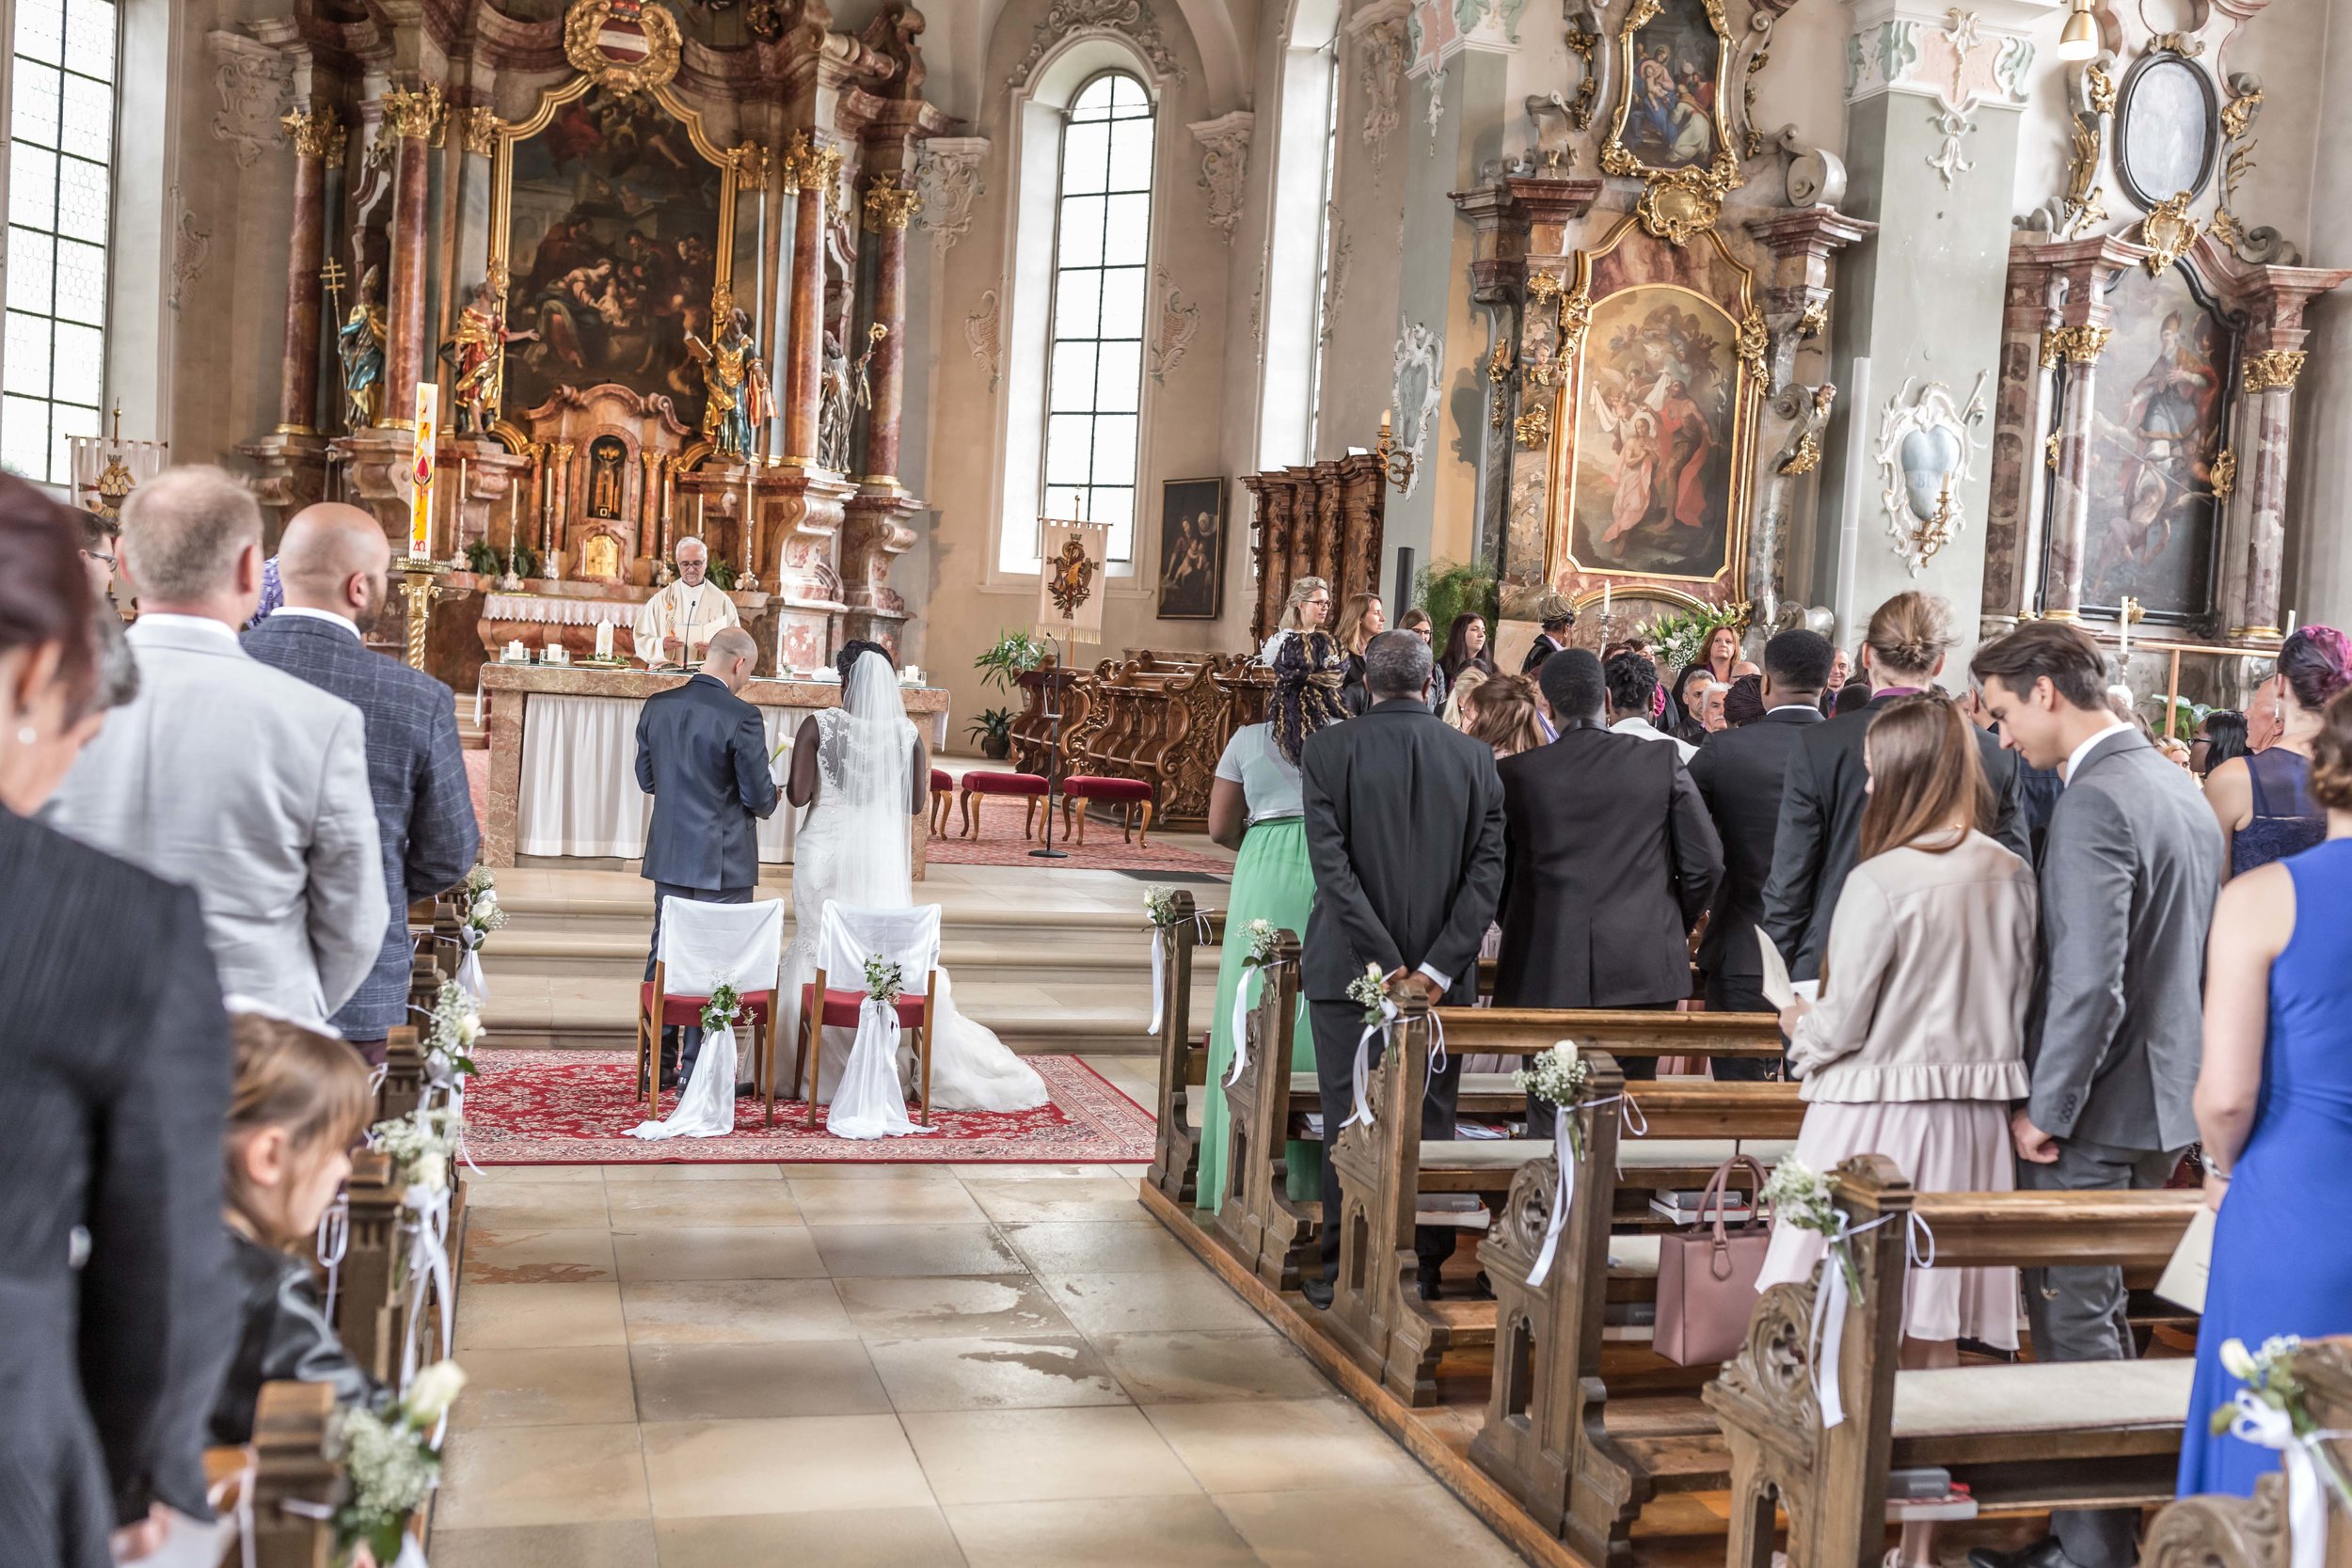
(905, 1366)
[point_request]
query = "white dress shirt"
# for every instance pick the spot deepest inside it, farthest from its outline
(2075, 758)
(1641, 729)
(327, 616)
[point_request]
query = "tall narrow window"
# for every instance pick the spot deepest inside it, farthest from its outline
(1325, 211)
(1102, 232)
(61, 214)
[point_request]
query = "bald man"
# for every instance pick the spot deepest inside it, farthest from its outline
(335, 562)
(701, 754)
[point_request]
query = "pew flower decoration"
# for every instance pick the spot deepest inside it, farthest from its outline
(2271, 1383)
(391, 1460)
(720, 1011)
(1159, 905)
(1369, 990)
(1800, 1196)
(457, 1025)
(483, 913)
(1559, 1076)
(420, 1146)
(1263, 935)
(884, 981)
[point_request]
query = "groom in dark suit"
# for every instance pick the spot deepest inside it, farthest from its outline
(701, 754)
(1404, 833)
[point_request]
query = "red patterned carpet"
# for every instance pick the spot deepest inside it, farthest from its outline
(575, 1108)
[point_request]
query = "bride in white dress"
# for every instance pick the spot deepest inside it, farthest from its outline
(860, 768)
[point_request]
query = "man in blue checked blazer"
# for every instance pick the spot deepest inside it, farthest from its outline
(334, 563)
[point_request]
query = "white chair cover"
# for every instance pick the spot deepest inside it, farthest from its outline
(704, 947)
(870, 1102)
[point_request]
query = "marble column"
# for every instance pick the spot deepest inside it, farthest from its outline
(2076, 347)
(2254, 524)
(415, 118)
(2024, 448)
(888, 210)
(2259, 546)
(316, 136)
(809, 172)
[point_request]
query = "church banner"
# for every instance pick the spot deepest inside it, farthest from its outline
(1070, 596)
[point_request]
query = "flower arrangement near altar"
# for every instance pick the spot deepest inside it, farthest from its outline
(1801, 1197)
(1263, 936)
(1371, 990)
(2274, 1396)
(392, 1459)
(884, 981)
(720, 1011)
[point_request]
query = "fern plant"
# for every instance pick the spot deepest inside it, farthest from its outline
(1445, 589)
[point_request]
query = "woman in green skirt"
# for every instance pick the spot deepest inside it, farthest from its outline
(1255, 806)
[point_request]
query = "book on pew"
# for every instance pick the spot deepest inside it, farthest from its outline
(1916, 1497)
(2184, 1281)
(1685, 1208)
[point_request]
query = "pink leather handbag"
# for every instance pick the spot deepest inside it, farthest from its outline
(1707, 1277)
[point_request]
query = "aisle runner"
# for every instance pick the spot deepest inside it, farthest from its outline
(574, 1107)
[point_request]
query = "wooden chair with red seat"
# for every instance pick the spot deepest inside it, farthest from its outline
(908, 937)
(980, 783)
(943, 792)
(1133, 797)
(699, 948)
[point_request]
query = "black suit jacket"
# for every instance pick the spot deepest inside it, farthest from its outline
(416, 773)
(1610, 861)
(701, 754)
(114, 1085)
(1819, 833)
(1739, 773)
(1404, 831)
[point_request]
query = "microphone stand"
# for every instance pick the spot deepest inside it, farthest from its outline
(1053, 754)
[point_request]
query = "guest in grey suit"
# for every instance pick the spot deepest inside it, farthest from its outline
(2129, 875)
(1404, 833)
(246, 784)
(334, 562)
(701, 754)
(113, 1085)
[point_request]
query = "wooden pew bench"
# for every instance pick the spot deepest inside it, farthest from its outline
(1377, 1315)
(2026, 1438)
(289, 1466)
(1183, 1061)
(2206, 1532)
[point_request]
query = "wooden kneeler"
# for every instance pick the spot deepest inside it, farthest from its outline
(1176, 1139)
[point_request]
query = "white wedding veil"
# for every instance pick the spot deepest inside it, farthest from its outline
(867, 784)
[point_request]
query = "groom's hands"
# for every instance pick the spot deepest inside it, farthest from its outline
(1406, 982)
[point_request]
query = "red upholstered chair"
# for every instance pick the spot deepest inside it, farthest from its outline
(693, 935)
(909, 938)
(1030, 786)
(841, 1012)
(942, 790)
(686, 1012)
(1132, 796)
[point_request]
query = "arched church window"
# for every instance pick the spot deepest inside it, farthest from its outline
(61, 201)
(1300, 242)
(1094, 381)
(1326, 207)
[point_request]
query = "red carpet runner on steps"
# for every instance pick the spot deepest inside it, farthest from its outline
(575, 1108)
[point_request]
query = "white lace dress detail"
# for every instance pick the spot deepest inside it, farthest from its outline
(853, 845)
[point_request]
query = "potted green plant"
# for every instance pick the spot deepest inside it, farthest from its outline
(1446, 589)
(992, 729)
(1013, 656)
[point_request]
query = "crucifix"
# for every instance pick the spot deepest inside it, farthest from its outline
(332, 276)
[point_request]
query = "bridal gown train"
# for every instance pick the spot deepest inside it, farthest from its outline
(853, 845)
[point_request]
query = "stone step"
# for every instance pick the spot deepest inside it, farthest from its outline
(555, 953)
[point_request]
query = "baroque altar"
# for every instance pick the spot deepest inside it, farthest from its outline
(625, 242)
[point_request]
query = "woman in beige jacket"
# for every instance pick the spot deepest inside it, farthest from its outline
(1917, 1045)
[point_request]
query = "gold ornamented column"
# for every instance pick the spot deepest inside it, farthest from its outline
(889, 209)
(317, 137)
(415, 117)
(2077, 347)
(809, 172)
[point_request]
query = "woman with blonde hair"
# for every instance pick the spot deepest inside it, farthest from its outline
(1917, 1045)
(1507, 717)
(1461, 705)
(1307, 609)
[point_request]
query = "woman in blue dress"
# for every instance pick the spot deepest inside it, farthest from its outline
(2262, 798)
(2274, 1108)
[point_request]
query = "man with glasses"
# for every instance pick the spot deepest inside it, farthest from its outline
(335, 563)
(675, 629)
(99, 535)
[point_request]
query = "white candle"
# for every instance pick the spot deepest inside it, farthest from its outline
(2124, 629)
(1604, 601)
(2290, 622)
(604, 639)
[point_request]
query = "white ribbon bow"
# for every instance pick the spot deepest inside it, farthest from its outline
(2268, 1426)
(1829, 1305)
(333, 1243)
(1563, 1163)
(470, 974)
(1362, 1071)
(1201, 934)
(428, 1263)
(1242, 1004)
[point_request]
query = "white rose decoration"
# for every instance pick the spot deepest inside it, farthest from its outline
(433, 1390)
(432, 1171)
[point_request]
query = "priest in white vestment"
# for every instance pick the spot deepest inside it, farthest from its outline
(676, 625)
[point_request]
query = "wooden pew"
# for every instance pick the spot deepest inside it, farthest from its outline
(1176, 1144)
(2025, 1438)
(369, 1298)
(1257, 1219)
(404, 1073)
(1547, 1437)
(289, 1465)
(1376, 1312)
(2206, 1532)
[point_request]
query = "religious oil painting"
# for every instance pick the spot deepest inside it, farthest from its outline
(1667, 119)
(613, 252)
(1192, 549)
(2158, 428)
(1657, 434)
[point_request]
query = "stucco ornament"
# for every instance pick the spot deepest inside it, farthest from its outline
(1925, 444)
(1414, 389)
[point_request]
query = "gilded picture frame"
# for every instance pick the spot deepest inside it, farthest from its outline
(739, 168)
(1674, 84)
(1664, 345)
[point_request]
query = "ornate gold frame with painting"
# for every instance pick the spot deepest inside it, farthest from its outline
(742, 166)
(1683, 199)
(1734, 298)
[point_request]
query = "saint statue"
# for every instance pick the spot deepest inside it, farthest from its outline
(736, 396)
(478, 354)
(360, 343)
(833, 409)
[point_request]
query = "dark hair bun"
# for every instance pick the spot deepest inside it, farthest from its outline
(2317, 664)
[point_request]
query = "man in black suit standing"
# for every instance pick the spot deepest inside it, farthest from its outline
(1739, 774)
(1819, 833)
(1610, 860)
(1556, 616)
(1404, 833)
(333, 563)
(701, 754)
